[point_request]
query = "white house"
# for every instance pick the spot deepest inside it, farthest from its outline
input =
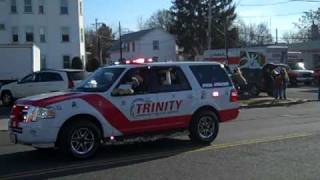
(56, 26)
(151, 43)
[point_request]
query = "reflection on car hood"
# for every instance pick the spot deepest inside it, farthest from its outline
(43, 100)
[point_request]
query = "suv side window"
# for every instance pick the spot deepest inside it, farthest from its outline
(170, 79)
(139, 79)
(49, 77)
(209, 76)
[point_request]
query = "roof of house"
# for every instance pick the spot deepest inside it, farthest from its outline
(129, 37)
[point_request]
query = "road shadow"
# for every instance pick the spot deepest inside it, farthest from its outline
(35, 164)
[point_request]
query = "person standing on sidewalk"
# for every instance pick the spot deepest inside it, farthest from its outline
(285, 80)
(277, 85)
(319, 89)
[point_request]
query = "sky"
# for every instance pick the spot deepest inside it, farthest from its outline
(279, 15)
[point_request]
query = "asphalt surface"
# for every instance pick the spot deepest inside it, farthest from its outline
(265, 143)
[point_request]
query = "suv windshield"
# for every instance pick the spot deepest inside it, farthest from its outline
(101, 80)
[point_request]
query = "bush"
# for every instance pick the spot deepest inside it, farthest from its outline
(92, 65)
(76, 63)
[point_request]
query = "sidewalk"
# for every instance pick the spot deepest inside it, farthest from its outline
(263, 102)
(4, 124)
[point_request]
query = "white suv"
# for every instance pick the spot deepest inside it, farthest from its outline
(128, 102)
(40, 82)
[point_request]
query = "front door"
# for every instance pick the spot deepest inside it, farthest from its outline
(26, 86)
(136, 106)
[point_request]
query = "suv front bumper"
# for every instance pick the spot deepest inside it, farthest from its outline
(34, 134)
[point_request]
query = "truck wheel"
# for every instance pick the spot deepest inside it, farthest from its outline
(80, 139)
(7, 98)
(204, 127)
(254, 91)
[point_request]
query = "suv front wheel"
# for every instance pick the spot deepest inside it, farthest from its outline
(204, 127)
(80, 139)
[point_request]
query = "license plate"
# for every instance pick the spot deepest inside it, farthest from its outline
(13, 138)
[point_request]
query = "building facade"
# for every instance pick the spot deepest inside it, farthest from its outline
(151, 43)
(310, 53)
(55, 26)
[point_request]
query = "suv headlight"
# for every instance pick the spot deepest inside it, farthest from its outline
(38, 113)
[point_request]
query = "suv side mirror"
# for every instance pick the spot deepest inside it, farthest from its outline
(123, 90)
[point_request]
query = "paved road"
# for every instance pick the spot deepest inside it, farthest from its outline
(266, 143)
(303, 92)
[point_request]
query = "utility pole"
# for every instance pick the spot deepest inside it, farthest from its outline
(120, 40)
(210, 25)
(99, 54)
(226, 39)
(277, 36)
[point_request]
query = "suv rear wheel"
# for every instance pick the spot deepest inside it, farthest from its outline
(80, 139)
(7, 98)
(204, 127)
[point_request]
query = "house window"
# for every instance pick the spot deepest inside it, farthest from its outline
(27, 6)
(14, 6)
(41, 6)
(155, 45)
(64, 9)
(29, 34)
(2, 27)
(43, 61)
(81, 9)
(42, 33)
(81, 34)
(66, 61)
(65, 34)
(128, 47)
(15, 34)
(133, 46)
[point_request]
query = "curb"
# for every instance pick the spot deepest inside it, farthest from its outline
(277, 105)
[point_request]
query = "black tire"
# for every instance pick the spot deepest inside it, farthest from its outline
(7, 98)
(294, 83)
(70, 130)
(195, 134)
(254, 91)
(308, 83)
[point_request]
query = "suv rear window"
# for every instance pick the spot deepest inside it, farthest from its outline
(76, 76)
(210, 76)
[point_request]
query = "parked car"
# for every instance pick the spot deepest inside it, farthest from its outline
(41, 82)
(299, 74)
(316, 76)
(128, 103)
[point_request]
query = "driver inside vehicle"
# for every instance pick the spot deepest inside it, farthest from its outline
(131, 84)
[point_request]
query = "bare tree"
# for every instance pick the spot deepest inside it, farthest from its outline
(254, 34)
(161, 19)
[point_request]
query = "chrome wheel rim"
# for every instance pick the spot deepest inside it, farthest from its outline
(206, 127)
(82, 141)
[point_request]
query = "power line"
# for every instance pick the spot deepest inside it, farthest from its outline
(276, 15)
(280, 3)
